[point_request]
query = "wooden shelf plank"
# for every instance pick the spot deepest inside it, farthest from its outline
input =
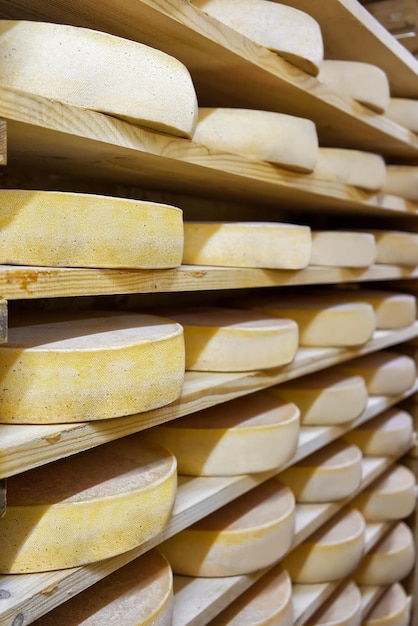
(3, 143)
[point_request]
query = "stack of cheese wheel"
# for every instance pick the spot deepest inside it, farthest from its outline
(256, 433)
(247, 534)
(402, 180)
(141, 591)
(247, 244)
(326, 398)
(396, 247)
(343, 608)
(404, 111)
(98, 504)
(388, 434)
(330, 553)
(351, 167)
(229, 340)
(88, 366)
(93, 70)
(293, 34)
(80, 230)
(332, 473)
(392, 608)
(338, 248)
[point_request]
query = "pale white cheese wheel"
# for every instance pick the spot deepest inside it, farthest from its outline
(396, 247)
(268, 602)
(80, 230)
(229, 340)
(332, 473)
(391, 497)
(94, 70)
(343, 608)
(140, 594)
(247, 244)
(404, 111)
(88, 507)
(72, 368)
(363, 82)
(390, 560)
(247, 534)
(293, 34)
(331, 553)
(252, 434)
(351, 167)
(391, 609)
(337, 248)
(388, 434)
(286, 140)
(325, 398)
(385, 373)
(402, 180)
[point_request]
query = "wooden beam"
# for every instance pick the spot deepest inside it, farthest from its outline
(395, 15)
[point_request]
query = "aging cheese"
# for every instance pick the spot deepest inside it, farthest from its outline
(293, 34)
(342, 609)
(285, 140)
(402, 180)
(247, 244)
(332, 473)
(392, 608)
(388, 434)
(325, 398)
(331, 553)
(89, 507)
(256, 433)
(268, 602)
(94, 70)
(391, 559)
(351, 167)
(230, 340)
(250, 533)
(80, 230)
(404, 111)
(361, 81)
(90, 366)
(396, 247)
(141, 592)
(342, 248)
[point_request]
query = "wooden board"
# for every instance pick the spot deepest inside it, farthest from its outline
(3, 143)
(3, 497)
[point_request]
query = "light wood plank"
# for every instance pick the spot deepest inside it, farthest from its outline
(3, 142)
(369, 596)
(308, 598)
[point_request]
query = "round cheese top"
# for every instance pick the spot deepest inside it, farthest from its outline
(342, 248)
(351, 167)
(388, 434)
(391, 609)
(342, 609)
(385, 373)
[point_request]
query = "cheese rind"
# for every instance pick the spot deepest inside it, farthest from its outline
(388, 434)
(351, 167)
(404, 111)
(336, 248)
(402, 180)
(342, 609)
(396, 247)
(391, 609)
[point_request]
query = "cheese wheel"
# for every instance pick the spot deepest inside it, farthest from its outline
(342, 248)
(229, 340)
(250, 533)
(63, 368)
(325, 398)
(293, 34)
(391, 497)
(94, 70)
(253, 434)
(391, 609)
(332, 473)
(141, 591)
(89, 507)
(390, 560)
(80, 230)
(388, 434)
(286, 140)
(331, 553)
(385, 373)
(247, 244)
(402, 180)
(364, 82)
(351, 167)
(268, 602)
(343, 608)
(404, 111)
(396, 247)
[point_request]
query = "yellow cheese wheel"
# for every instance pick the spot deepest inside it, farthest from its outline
(342, 248)
(392, 608)
(391, 497)
(331, 553)
(325, 398)
(80, 230)
(385, 373)
(404, 111)
(268, 602)
(351, 167)
(247, 435)
(293, 34)
(229, 340)
(247, 534)
(402, 180)
(88, 507)
(343, 608)
(332, 473)
(396, 247)
(140, 592)
(390, 560)
(388, 434)
(285, 140)
(364, 82)
(94, 70)
(71, 368)
(247, 244)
